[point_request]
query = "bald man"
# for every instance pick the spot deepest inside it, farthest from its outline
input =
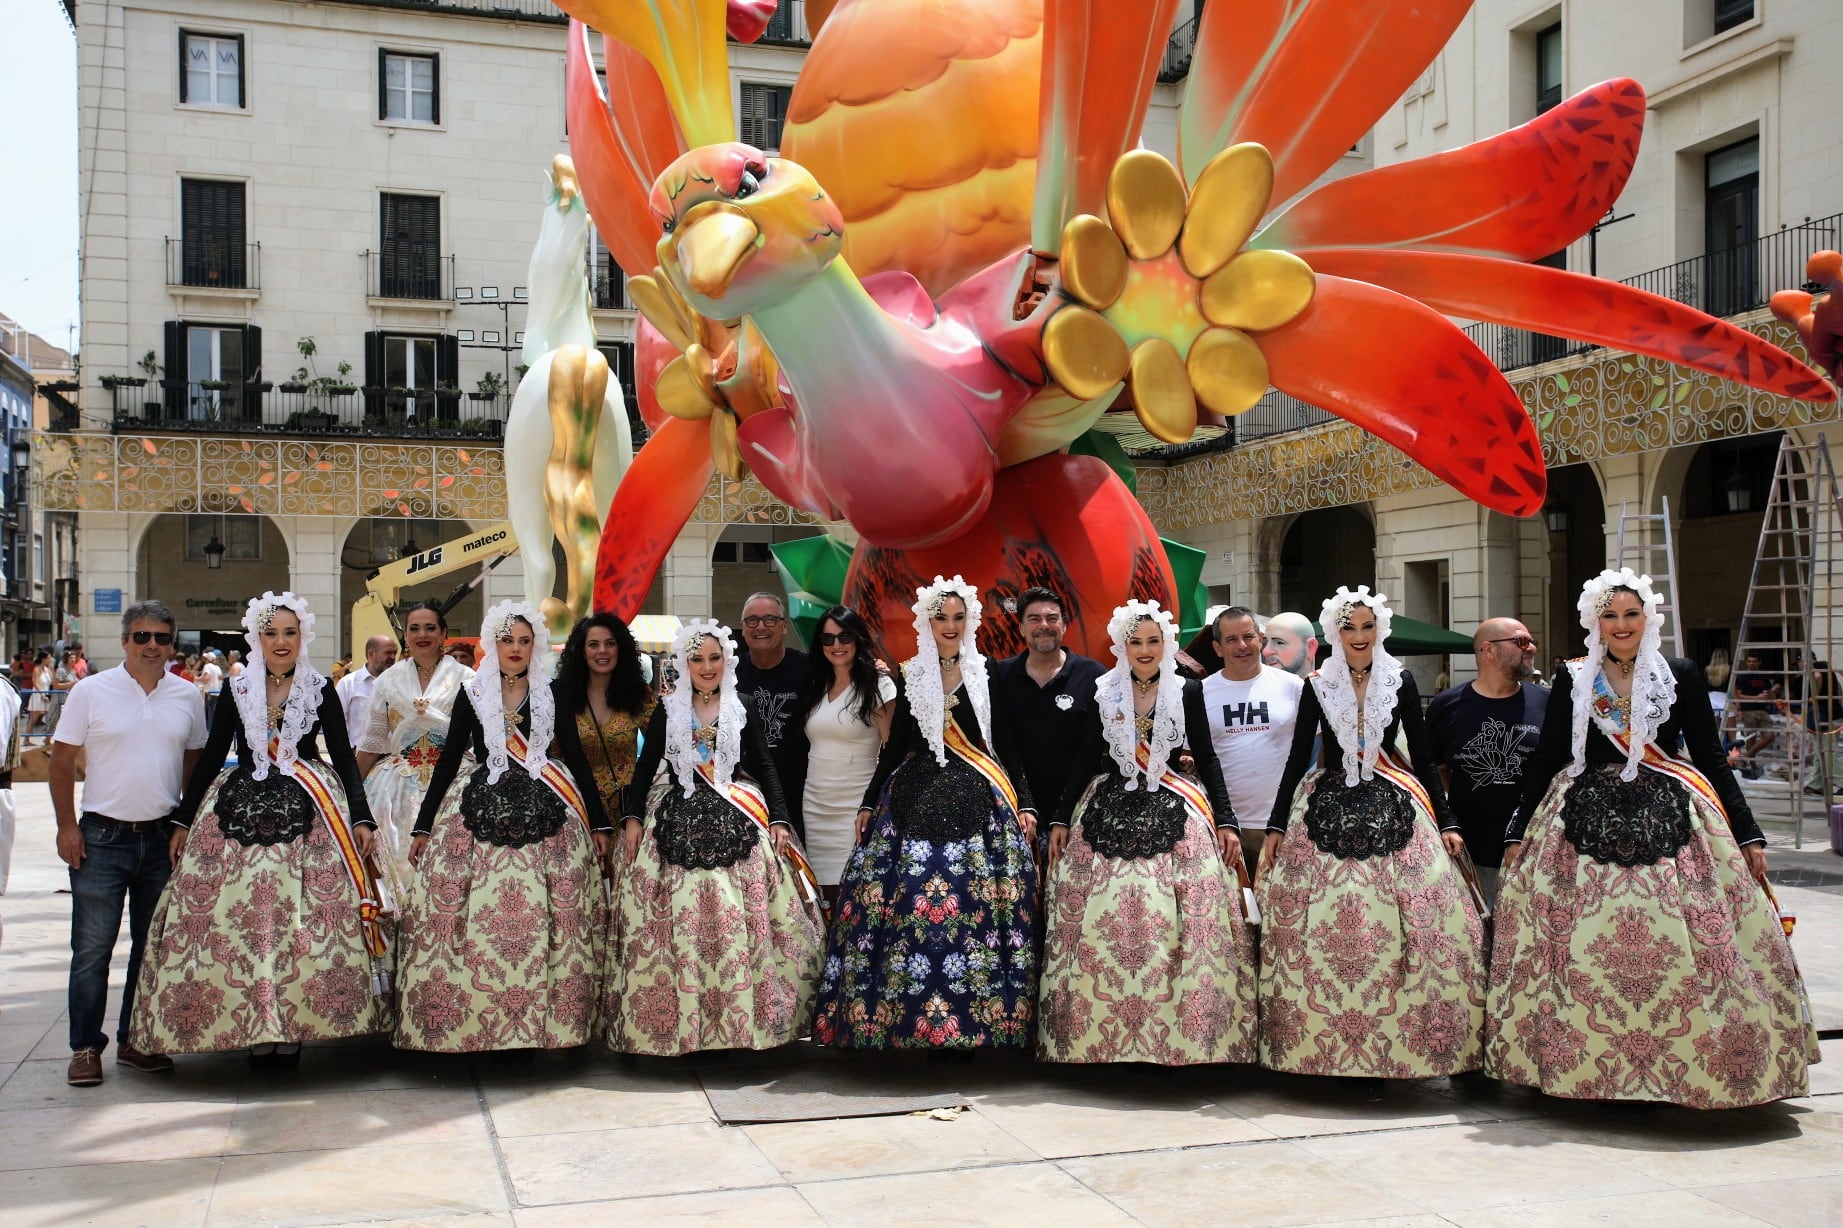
(1291, 644)
(355, 688)
(1483, 732)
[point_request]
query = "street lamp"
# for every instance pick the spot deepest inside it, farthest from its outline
(1557, 516)
(1737, 493)
(22, 453)
(214, 553)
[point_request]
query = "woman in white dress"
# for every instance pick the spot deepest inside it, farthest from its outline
(401, 741)
(848, 703)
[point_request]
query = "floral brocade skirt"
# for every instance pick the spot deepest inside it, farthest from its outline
(1371, 966)
(1668, 981)
(932, 947)
(394, 791)
(1145, 958)
(722, 957)
(502, 944)
(257, 943)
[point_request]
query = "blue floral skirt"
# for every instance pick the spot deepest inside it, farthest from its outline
(932, 947)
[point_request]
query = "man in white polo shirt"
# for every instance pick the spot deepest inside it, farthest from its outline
(1252, 708)
(354, 690)
(142, 729)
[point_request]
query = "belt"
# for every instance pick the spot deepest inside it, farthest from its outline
(149, 828)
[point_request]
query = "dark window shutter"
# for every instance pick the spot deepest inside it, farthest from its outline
(383, 96)
(435, 97)
(182, 66)
(410, 264)
(252, 353)
(447, 359)
(242, 99)
(213, 252)
(374, 359)
(176, 368)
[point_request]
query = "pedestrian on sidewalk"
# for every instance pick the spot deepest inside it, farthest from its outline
(142, 729)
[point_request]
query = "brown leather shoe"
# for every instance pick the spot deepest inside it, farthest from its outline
(148, 1063)
(85, 1068)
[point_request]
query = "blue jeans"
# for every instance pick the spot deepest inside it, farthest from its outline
(117, 864)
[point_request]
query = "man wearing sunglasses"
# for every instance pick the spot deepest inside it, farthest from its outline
(1483, 732)
(141, 730)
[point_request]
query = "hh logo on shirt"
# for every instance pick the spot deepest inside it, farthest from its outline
(1245, 716)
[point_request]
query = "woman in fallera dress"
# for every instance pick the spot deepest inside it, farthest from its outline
(932, 945)
(401, 740)
(1638, 956)
(1147, 956)
(269, 932)
(505, 922)
(717, 913)
(1372, 952)
(848, 706)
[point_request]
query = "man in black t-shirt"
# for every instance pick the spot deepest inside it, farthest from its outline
(1046, 693)
(1755, 696)
(1483, 732)
(769, 679)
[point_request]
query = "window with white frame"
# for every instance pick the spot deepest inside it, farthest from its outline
(211, 69)
(409, 362)
(764, 115)
(409, 87)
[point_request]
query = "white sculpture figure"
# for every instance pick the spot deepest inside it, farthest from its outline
(567, 439)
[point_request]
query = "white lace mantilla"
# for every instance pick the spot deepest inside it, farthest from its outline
(1654, 687)
(681, 719)
(251, 692)
(489, 703)
(1113, 698)
(419, 711)
(922, 674)
(1359, 729)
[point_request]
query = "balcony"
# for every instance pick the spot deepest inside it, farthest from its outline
(609, 293)
(219, 407)
(213, 266)
(505, 10)
(414, 277)
(1180, 50)
(1723, 283)
(787, 28)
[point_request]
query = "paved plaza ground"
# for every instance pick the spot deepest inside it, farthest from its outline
(364, 1134)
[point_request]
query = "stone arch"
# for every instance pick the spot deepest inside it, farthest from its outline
(209, 602)
(1322, 549)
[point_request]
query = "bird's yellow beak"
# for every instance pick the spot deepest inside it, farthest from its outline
(714, 242)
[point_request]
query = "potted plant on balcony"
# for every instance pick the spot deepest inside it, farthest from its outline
(488, 427)
(447, 395)
(489, 388)
(296, 384)
(112, 382)
(150, 367)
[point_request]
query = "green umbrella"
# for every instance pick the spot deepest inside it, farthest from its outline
(1410, 637)
(813, 572)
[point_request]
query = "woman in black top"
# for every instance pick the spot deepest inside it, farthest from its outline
(504, 927)
(1372, 952)
(1638, 955)
(717, 927)
(269, 932)
(1135, 837)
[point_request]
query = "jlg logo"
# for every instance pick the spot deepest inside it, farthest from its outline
(427, 559)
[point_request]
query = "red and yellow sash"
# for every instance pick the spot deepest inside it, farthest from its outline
(560, 781)
(1685, 774)
(1197, 801)
(1396, 772)
(370, 910)
(988, 767)
(748, 798)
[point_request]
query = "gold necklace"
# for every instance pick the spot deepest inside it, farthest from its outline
(950, 662)
(1625, 668)
(1142, 724)
(1144, 685)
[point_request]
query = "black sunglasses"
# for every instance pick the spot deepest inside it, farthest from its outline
(162, 638)
(829, 638)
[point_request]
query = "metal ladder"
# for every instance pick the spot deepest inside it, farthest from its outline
(1789, 622)
(1638, 550)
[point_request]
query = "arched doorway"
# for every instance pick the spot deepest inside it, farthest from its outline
(1723, 502)
(174, 562)
(378, 540)
(1576, 516)
(1323, 549)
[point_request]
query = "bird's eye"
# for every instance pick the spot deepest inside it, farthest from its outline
(749, 186)
(669, 225)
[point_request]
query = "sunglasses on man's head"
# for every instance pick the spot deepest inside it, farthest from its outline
(829, 638)
(162, 638)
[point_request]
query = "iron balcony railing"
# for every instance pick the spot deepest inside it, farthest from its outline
(1180, 50)
(609, 293)
(511, 10)
(787, 28)
(409, 275)
(220, 407)
(214, 265)
(1722, 283)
